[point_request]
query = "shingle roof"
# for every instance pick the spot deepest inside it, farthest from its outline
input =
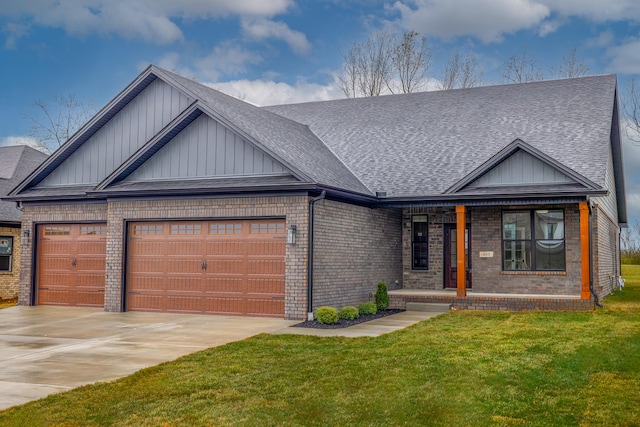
(16, 163)
(420, 144)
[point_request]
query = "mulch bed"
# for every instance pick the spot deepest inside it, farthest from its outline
(346, 323)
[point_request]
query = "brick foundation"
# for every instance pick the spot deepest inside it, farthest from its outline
(496, 303)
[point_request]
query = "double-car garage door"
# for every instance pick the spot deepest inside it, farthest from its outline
(217, 267)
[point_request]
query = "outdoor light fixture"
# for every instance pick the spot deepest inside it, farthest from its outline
(26, 232)
(291, 235)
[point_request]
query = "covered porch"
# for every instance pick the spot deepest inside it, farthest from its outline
(460, 255)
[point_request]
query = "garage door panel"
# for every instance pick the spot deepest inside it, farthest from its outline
(224, 284)
(147, 265)
(225, 305)
(229, 248)
(265, 267)
(265, 286)
(243, 271)
(273, 247)
(71, 264)
(265, 307)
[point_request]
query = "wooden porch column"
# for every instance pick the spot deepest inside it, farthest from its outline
(461, 224)
(584, 250)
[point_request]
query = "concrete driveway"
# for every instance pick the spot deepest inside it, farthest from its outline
(46, 350)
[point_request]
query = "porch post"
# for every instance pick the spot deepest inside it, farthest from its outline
(461, 224)
(584, 250)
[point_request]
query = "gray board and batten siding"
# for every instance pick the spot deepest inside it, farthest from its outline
(609, 203)
(123, 135)
(206, 148)
(521, 168)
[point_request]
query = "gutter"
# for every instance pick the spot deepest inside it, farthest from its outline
(310, 255)
(591, 289)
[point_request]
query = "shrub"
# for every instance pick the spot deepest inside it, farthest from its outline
(382, 298)
(368, 308)
(327, 315)
(349, 313)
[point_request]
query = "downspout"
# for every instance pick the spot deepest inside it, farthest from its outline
(310, 256)
(593, 291)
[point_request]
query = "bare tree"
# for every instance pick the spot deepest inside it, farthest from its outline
(55, 124)
(411, 58)
(367, 69)
(571, 66)
(631, 106)
(461, 72)
(630, 243)
(521, 68)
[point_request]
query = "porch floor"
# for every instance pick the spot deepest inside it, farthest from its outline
(472, 294)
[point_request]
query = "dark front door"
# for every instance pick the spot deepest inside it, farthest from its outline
(451, 256)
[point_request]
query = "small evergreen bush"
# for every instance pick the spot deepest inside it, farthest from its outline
(382, 298)
(367, 308)
(348, 313)
(327, 315)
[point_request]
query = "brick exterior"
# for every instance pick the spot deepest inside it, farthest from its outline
(354, 248)
(606, 251)
(10, 280)
(486, 235)
(293, 208)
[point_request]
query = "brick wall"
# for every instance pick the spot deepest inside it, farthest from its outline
(354, 249)
(293, 208)
(487, 272)
(31, 214)
(486, 235)
(10, 280)
(606, 251)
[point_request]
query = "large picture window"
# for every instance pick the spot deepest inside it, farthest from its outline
(533, 240)
(6, 253)
(419, 242)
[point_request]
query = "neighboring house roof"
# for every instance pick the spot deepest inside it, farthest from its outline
(421, 146)
(16, 163)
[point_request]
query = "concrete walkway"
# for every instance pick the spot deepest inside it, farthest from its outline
(45, 350)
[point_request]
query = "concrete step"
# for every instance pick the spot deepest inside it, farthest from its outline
(428, 306)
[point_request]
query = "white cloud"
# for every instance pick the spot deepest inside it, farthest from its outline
(266, 92)
(14, 33)
(625, 57)
(490, 20)
(604, 39)
(486, 19)
(151, 20)
(261, 28)
(596, 10)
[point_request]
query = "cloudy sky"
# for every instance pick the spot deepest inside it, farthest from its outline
(279, 51)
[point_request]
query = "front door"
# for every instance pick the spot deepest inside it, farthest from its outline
(451, 255)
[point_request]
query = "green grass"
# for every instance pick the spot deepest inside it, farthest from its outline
(461, 368)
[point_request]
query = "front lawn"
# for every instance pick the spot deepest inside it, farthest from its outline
(461, 368)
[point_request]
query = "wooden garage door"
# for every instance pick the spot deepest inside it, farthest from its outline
(71, 264)
(214, 267)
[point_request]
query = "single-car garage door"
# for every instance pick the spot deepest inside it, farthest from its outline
(71, 264)
(215, 267)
